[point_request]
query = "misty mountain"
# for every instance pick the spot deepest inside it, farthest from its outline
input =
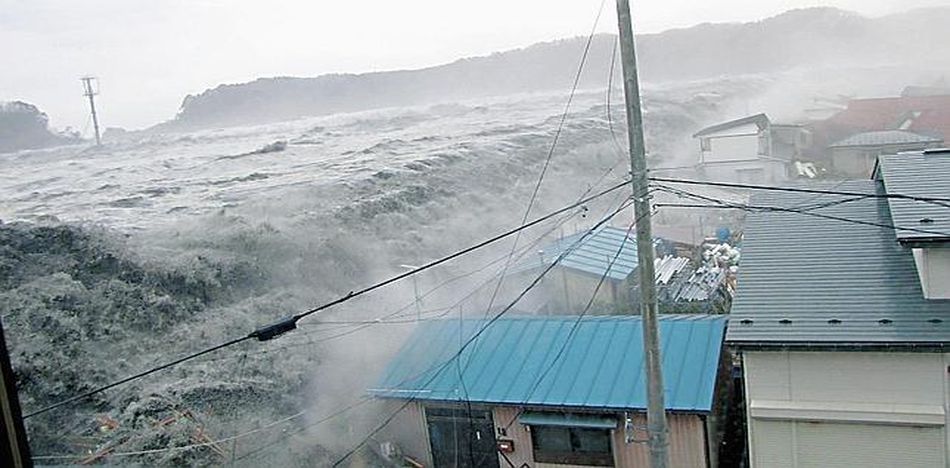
(815, 37)
(24, 126)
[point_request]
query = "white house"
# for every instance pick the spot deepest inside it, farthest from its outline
(750, 149)
(842, 323)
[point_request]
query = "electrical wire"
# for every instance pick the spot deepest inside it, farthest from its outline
(547, 160)
(940, 201)
(386, 319)
(575, 325)
(279, 328)
(481, 330)
(754, 208)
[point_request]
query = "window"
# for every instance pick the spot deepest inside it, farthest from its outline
(764, 144)
(572, 445)
(705, 144)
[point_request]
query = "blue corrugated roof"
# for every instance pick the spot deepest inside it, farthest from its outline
(593, 254)
(601, 366)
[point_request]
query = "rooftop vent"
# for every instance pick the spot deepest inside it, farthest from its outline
(835, 321)
(746, 321)
(885, 321)
(785, 322)
(935, 321)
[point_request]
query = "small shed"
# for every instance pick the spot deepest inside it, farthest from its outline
(583, 259)
(559, 390)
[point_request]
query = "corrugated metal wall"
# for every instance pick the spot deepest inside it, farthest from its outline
(687, 442)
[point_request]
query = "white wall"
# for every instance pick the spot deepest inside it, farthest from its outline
(768, 171)
(933, 267)
(847, 408)
(734, 144)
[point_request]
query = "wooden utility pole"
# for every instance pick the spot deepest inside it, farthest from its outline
(90, 88)
(15, 451)
(656, 412)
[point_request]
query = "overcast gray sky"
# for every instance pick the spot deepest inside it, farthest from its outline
(150, 54)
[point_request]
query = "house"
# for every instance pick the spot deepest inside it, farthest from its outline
(842, 322)
(921, 114)
(589, 258)
(857, 155)
(750, 149)
(551, 391)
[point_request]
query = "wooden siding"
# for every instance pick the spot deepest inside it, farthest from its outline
(408, 431)
(687, 442)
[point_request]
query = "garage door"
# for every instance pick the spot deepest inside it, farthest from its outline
(833, 445)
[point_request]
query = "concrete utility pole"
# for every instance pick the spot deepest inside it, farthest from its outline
(90, 88)
(656, 413)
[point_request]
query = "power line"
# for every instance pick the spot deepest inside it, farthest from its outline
(130, 378)
(547, 160)
(754, 208)
(475, 336)
(383, 320)
(283, 326)
(804, 206)
(747, 207)
(945, 202)
(575, 325)
(439, 367)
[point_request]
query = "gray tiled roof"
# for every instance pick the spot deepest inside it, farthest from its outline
(884, 138)
(809, 281)
(919, 174)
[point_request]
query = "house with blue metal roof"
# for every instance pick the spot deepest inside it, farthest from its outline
(541, 390)
(595, 268)
(582, 260)
(842, 320)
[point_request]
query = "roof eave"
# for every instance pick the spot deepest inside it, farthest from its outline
(591, 409)
(922, 346)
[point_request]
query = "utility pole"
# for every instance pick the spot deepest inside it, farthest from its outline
(14, 449)
(656, 412)
(91, 88)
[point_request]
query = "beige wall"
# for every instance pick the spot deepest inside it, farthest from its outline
(408, 431)
(687, 442)
(575, 289)
(870, 403)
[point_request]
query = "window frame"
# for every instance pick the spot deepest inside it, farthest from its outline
(572, 456)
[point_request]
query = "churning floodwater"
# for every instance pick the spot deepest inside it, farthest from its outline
(156, 245)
